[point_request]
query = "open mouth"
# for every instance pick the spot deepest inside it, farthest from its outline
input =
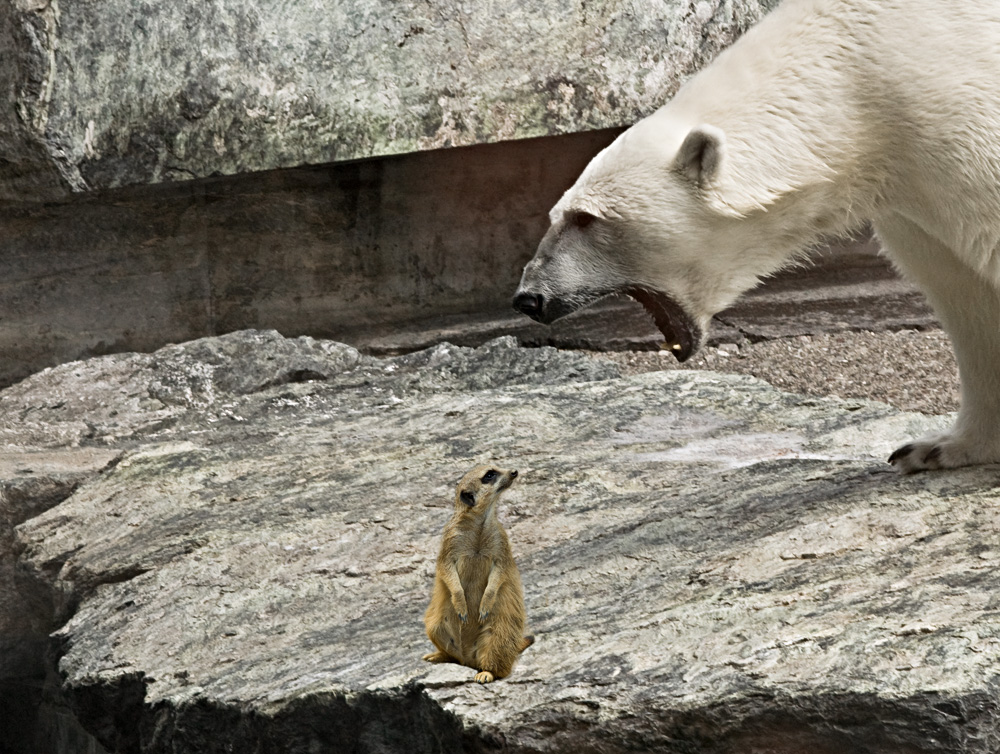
(680, 334)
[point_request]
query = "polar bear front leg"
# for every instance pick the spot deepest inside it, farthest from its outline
(968, 304)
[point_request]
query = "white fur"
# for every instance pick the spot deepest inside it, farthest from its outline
(826, 114)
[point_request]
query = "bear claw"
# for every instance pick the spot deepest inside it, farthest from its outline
(900, 453)
(914, 457)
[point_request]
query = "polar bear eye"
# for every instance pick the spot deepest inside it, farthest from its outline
(581, 219)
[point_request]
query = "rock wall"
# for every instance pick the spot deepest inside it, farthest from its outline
(710, 565)
(332, 252)
(389, 255)
(118, 92)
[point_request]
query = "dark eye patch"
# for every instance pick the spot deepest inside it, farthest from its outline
(489, 476)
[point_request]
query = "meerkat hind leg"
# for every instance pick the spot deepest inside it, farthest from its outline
(443, 640)
(439, 656)
(484, 676)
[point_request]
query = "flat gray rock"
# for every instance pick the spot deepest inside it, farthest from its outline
(710, 565)
(126, 92)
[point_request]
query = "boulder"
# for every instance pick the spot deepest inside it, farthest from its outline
(710, 565)
(119, 92)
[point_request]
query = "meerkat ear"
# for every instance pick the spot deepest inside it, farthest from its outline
(468, 498)
(700, 156)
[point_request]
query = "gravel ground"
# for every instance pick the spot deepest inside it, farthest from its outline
(911, 370)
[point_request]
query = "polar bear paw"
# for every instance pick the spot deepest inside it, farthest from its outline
(940, 452)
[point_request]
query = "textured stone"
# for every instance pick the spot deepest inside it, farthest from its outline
(117, 92)
(710, 565)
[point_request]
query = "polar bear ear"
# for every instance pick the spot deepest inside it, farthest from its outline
(700, 156)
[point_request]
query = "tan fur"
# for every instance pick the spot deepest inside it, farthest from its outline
(476, 616)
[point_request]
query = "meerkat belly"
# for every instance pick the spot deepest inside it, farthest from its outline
(474, 573)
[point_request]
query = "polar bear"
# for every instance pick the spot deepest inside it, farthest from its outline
(826, 114)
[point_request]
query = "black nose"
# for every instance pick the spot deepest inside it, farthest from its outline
(513, 473)
(528, 303)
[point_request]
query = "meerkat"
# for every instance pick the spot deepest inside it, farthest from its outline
(476, 615)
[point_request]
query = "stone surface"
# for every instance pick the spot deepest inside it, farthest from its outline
(710, 565)
(118, 92)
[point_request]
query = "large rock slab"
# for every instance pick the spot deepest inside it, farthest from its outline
(118, 92)
(710, 565)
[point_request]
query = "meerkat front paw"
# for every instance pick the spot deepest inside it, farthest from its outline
(436, 657)
(484, 676)
(487, 603)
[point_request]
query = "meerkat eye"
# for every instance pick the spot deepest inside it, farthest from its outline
(581, 219)
(489, 476)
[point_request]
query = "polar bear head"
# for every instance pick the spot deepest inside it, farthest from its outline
(649, 218)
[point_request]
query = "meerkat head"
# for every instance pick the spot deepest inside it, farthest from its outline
(481, 487)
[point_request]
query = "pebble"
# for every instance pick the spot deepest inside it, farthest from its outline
(912, 370)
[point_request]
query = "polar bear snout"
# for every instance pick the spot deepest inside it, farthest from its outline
(531, 304)
(539, 307)
(547, 309)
